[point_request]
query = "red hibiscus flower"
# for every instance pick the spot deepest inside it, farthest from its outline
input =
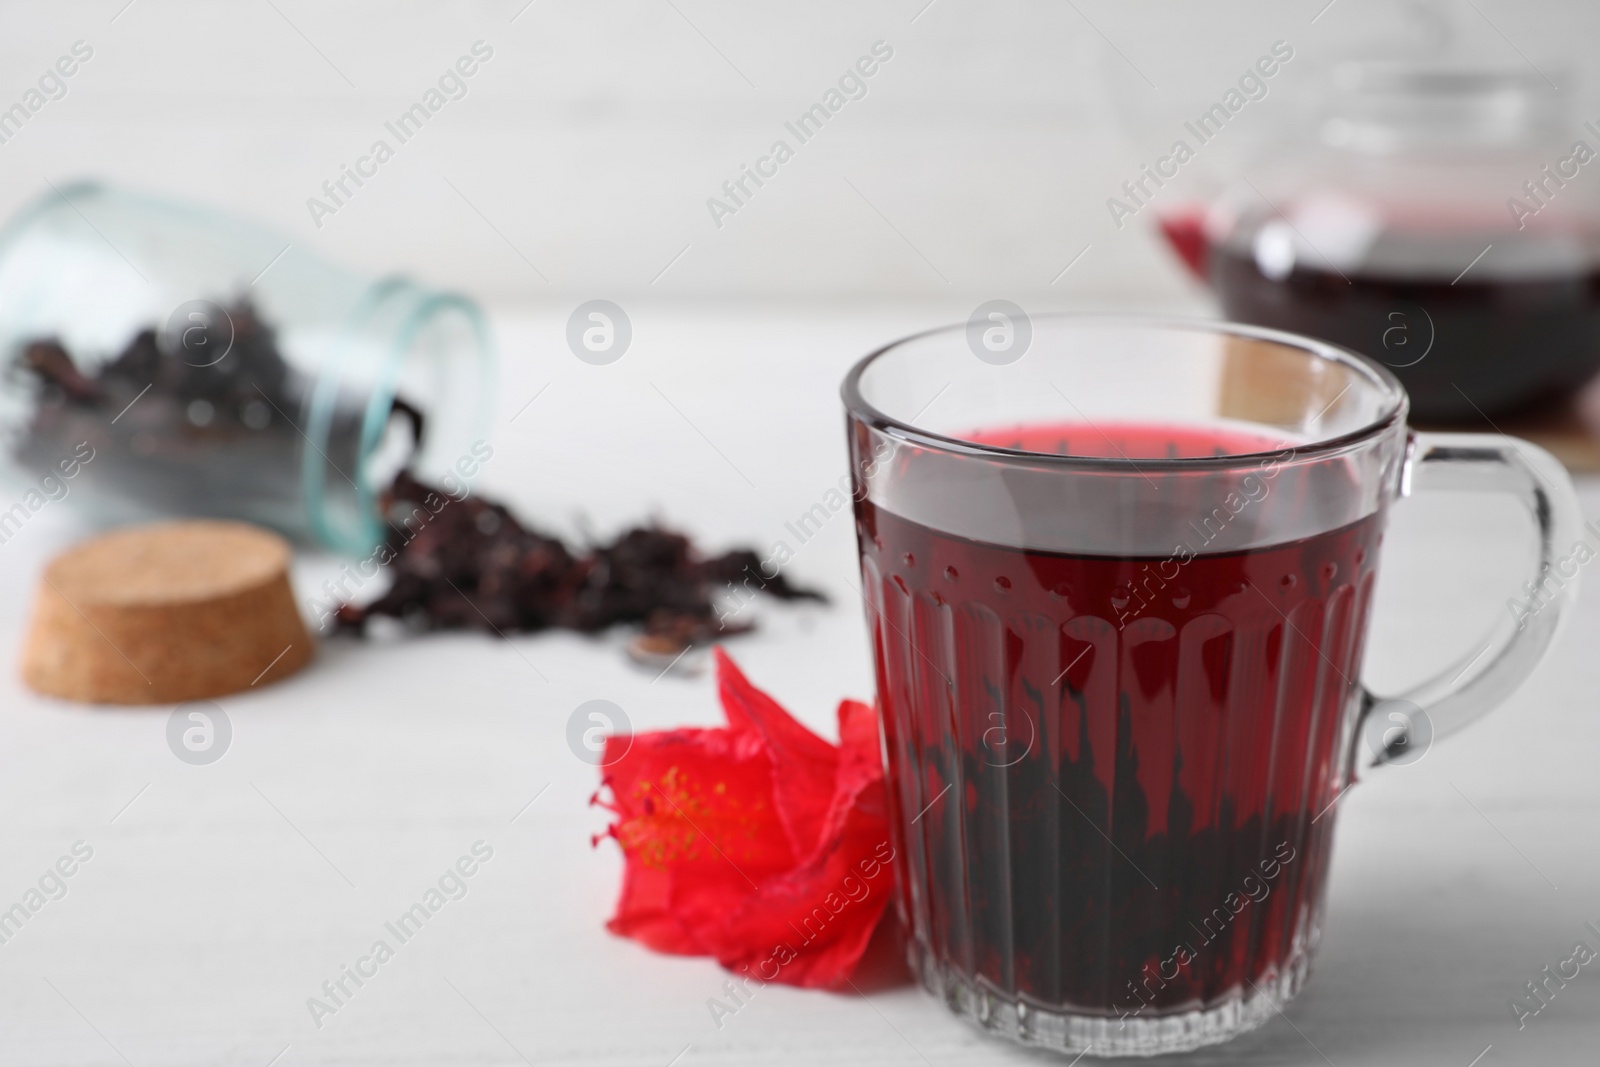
(760, 843)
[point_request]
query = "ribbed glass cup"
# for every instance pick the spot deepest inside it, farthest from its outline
(1117, 592)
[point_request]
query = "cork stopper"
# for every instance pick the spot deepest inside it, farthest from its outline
(165, 613)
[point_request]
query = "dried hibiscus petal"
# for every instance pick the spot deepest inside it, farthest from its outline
(468, 562)
(759, 843)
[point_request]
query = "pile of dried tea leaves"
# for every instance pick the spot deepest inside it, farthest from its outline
(472, 565)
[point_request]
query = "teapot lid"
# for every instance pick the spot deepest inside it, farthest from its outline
(1389, 105)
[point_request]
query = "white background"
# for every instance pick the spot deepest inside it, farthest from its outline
(595, 135)
(222, 897)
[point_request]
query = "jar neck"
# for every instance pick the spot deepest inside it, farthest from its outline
(403, 349)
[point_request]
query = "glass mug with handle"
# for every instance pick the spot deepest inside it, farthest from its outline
(1117, 581)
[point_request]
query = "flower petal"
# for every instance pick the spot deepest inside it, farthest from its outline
(760, 844)
(698, 830)
(803, 763)
(810, 926)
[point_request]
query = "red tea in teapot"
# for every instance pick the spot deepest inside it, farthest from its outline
(1474, 321)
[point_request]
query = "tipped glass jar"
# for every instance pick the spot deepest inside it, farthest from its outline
(213, 368)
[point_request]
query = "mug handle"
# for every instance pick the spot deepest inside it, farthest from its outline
(1489, 672)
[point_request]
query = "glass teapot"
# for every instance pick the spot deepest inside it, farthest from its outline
(1441, 220)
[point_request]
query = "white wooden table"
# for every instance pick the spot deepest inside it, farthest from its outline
(219, 898)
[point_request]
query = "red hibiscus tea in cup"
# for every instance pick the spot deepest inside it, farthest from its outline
(1140, 704)
(1117, 592)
